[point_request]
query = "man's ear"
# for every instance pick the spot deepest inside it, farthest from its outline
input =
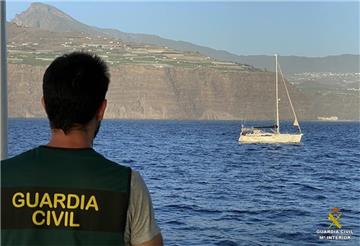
(43, 102)
(101, 111)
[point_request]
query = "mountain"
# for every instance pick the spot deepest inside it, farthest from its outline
(161, 82)
(147, 82)
(49, 18)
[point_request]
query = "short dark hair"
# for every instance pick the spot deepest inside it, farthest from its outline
(74, 86)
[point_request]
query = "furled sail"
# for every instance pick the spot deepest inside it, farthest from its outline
(296, 123)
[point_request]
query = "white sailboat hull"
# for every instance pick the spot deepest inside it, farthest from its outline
(271, 138)
(259, 135)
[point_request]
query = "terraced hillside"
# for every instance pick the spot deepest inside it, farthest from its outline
(164, 79)
(148, 82)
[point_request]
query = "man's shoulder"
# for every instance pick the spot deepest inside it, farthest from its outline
(114, 164)
(33, 155)
(20, 158)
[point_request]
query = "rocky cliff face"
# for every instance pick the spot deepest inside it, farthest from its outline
(180, 93)
(157, 81)
(148, 92)
(147, 82)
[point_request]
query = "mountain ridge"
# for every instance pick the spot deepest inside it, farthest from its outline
(50, 18)
(156, 82)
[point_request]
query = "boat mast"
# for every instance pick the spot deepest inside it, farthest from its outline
(277, 95)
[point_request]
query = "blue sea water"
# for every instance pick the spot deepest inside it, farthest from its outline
(209, 190)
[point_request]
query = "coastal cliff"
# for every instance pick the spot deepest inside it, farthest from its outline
(148, 92)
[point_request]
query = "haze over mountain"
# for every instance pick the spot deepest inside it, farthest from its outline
(49, 18)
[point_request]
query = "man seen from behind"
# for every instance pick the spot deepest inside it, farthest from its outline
(64, 192)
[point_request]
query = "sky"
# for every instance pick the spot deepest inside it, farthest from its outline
(243, 28)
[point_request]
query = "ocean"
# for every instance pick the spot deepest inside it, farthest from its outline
(209, 190)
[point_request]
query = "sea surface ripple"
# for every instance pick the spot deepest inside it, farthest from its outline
(209, 190)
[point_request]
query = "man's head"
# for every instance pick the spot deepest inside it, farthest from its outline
(74, 89)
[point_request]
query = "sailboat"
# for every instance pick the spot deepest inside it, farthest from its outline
(262, 134)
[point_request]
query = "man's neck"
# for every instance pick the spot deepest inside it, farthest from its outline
(75, 139)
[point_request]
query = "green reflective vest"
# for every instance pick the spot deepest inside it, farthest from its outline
(54, 196)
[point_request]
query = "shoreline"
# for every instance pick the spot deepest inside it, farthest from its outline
(195, 120)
